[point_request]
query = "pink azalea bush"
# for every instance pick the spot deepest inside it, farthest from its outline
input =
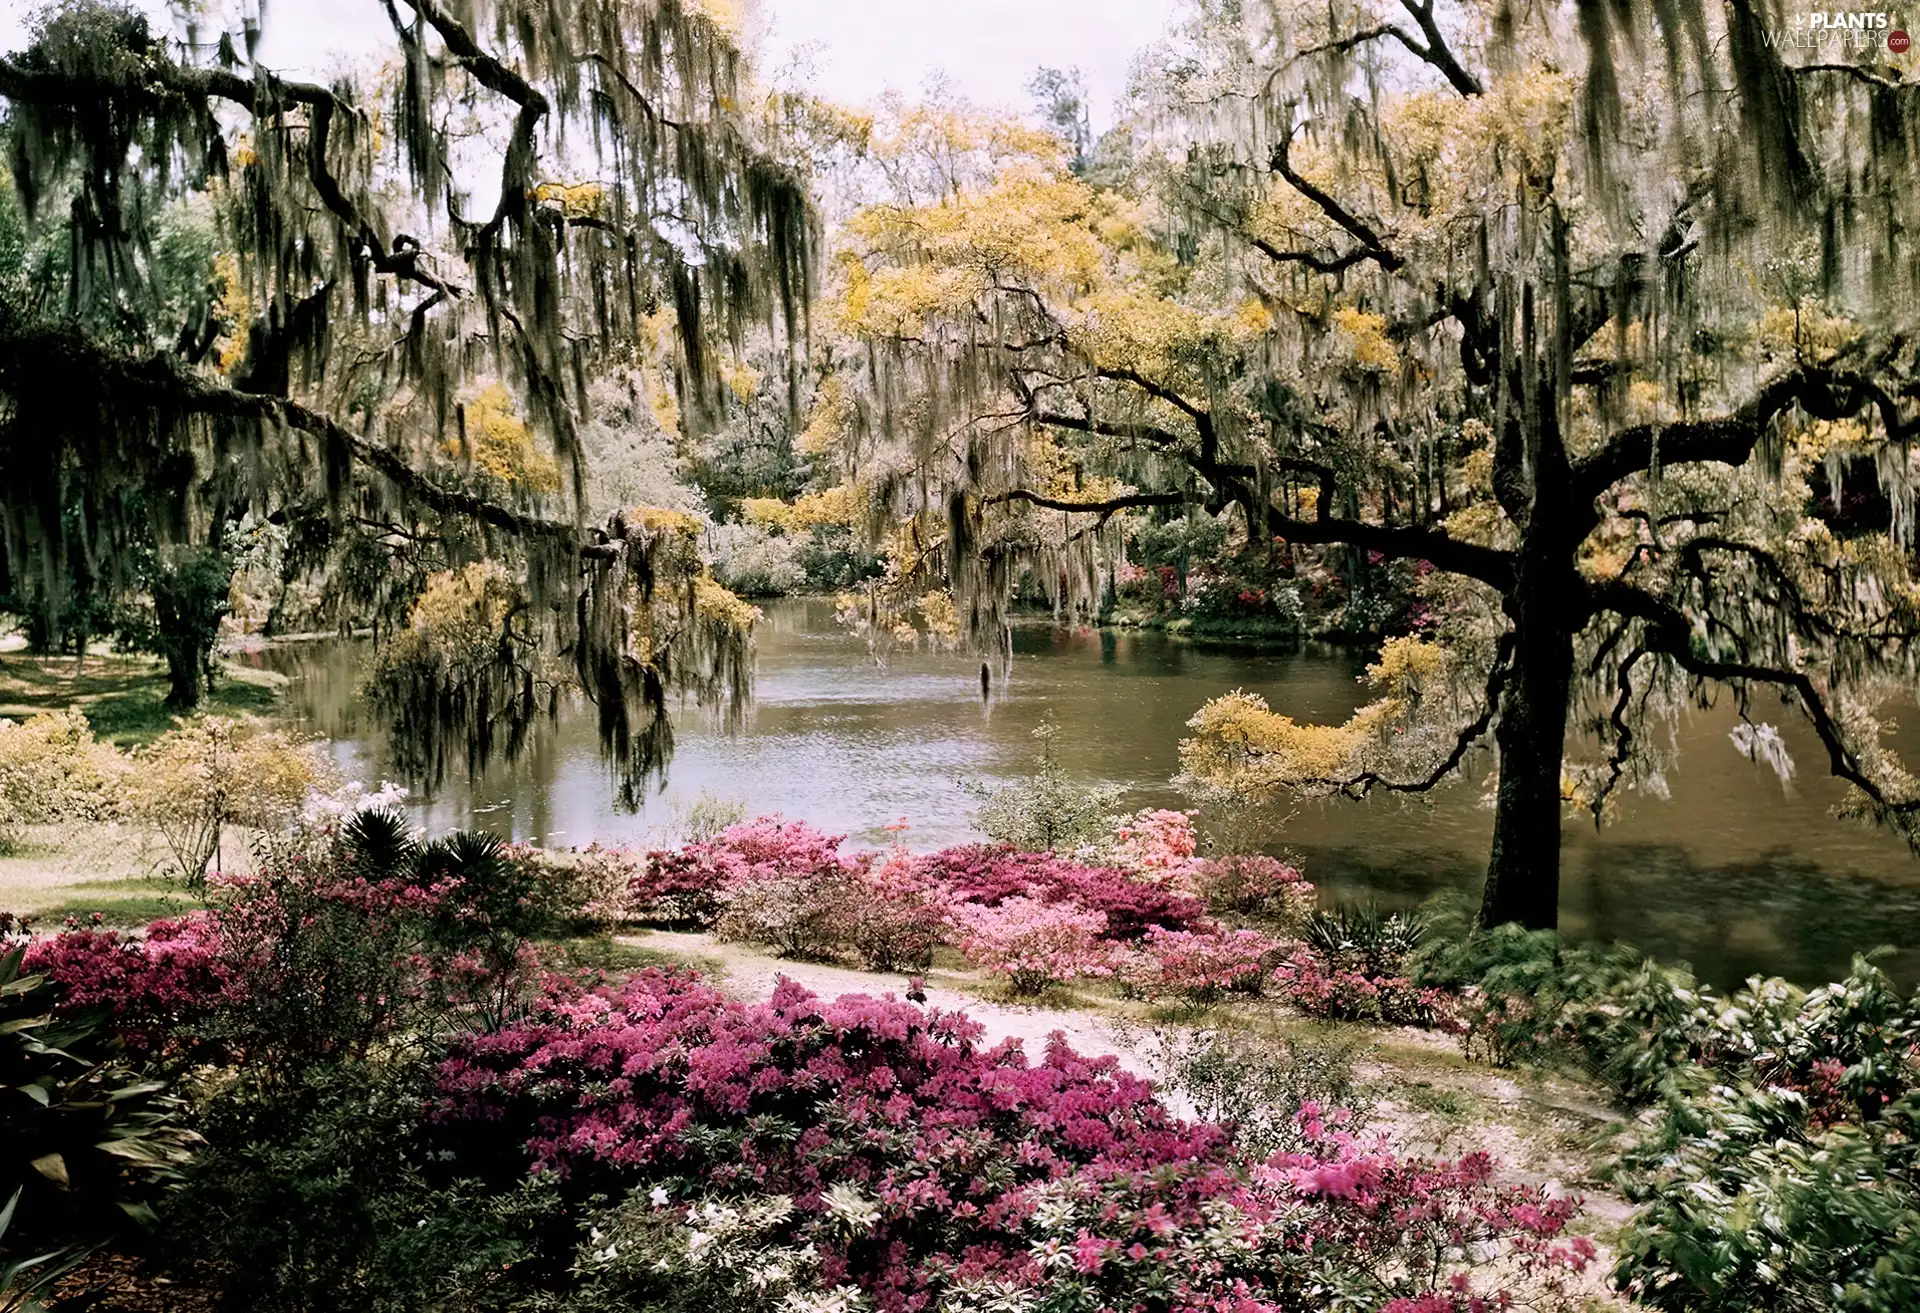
(1342, 993)
(1033, 944)
(1248, 883)
(1200, 966)
(892, 915)
(986, 875)
(1159, 845)
(782, 884)
(922, 1164)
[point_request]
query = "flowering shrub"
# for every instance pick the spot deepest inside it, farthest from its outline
(1247, 883)
(1201, 966)
(154, 989)
(671, 888)
(321, 953)
(926, 1170)
(794, 915)
(1034, 945)
(1159, 846)
(1343, 993)
(892, 916)
(766, 846)
(987, 875)
(781, 883)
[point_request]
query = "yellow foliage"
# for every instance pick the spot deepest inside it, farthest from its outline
(830, 420)
(1805, 331)
(714, 603)
(1406, 666)
(1363, 342)
(1241, 744)
(768, 511)
(500, 444)
(842, 505)
(234, 313)
(940, 616)
(580, 200)
(742, 379)
(212, 772)
(52, 769)
(458, 617)
(1816, 438)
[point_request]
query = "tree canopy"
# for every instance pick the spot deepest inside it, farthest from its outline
(1592, 311)
(402, 289)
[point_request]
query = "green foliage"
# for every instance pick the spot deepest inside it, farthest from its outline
(708, 816)
(1365, 939)
(1783, 1172)
(334, 1191)
(1048, 811)
(1255, 1083)
(84, 1137)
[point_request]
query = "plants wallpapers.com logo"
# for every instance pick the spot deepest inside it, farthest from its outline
(1834, 31)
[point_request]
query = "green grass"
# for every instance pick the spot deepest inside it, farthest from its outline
(618, 953)
(122, 911)
(121, 695)
(1454, 1105)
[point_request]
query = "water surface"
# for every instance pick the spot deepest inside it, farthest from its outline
(1732, 873)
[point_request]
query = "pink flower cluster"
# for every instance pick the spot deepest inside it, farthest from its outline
(986, 875)
(967, 1154)
(1253, 883)
(1199, 966)
(1034, 944)
(1159, 845)
(155, 988)
(1342, 994)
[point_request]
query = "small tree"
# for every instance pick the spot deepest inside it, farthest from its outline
(1048, 811)
(212, 772)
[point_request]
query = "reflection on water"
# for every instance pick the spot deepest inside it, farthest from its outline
(1732, 873)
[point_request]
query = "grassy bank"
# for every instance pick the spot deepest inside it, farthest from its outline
(78, 869)
(123, 696)
(1226, 629)
(51, 872)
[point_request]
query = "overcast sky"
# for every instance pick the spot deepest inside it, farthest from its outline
(857, 48)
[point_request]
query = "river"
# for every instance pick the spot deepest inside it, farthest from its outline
(1734, 873)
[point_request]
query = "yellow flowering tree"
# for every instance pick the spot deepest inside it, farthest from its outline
(1526, 299)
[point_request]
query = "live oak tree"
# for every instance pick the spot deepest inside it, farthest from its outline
(1602, 312)
(420, 274)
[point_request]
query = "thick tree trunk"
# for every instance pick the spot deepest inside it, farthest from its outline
(186, 676)
(1523, 872)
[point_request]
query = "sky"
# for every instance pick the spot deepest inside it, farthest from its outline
(855, 49)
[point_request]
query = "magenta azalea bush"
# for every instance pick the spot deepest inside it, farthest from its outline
(923, 1166)
(987, 875)
(153, 988)
(1248, 883)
